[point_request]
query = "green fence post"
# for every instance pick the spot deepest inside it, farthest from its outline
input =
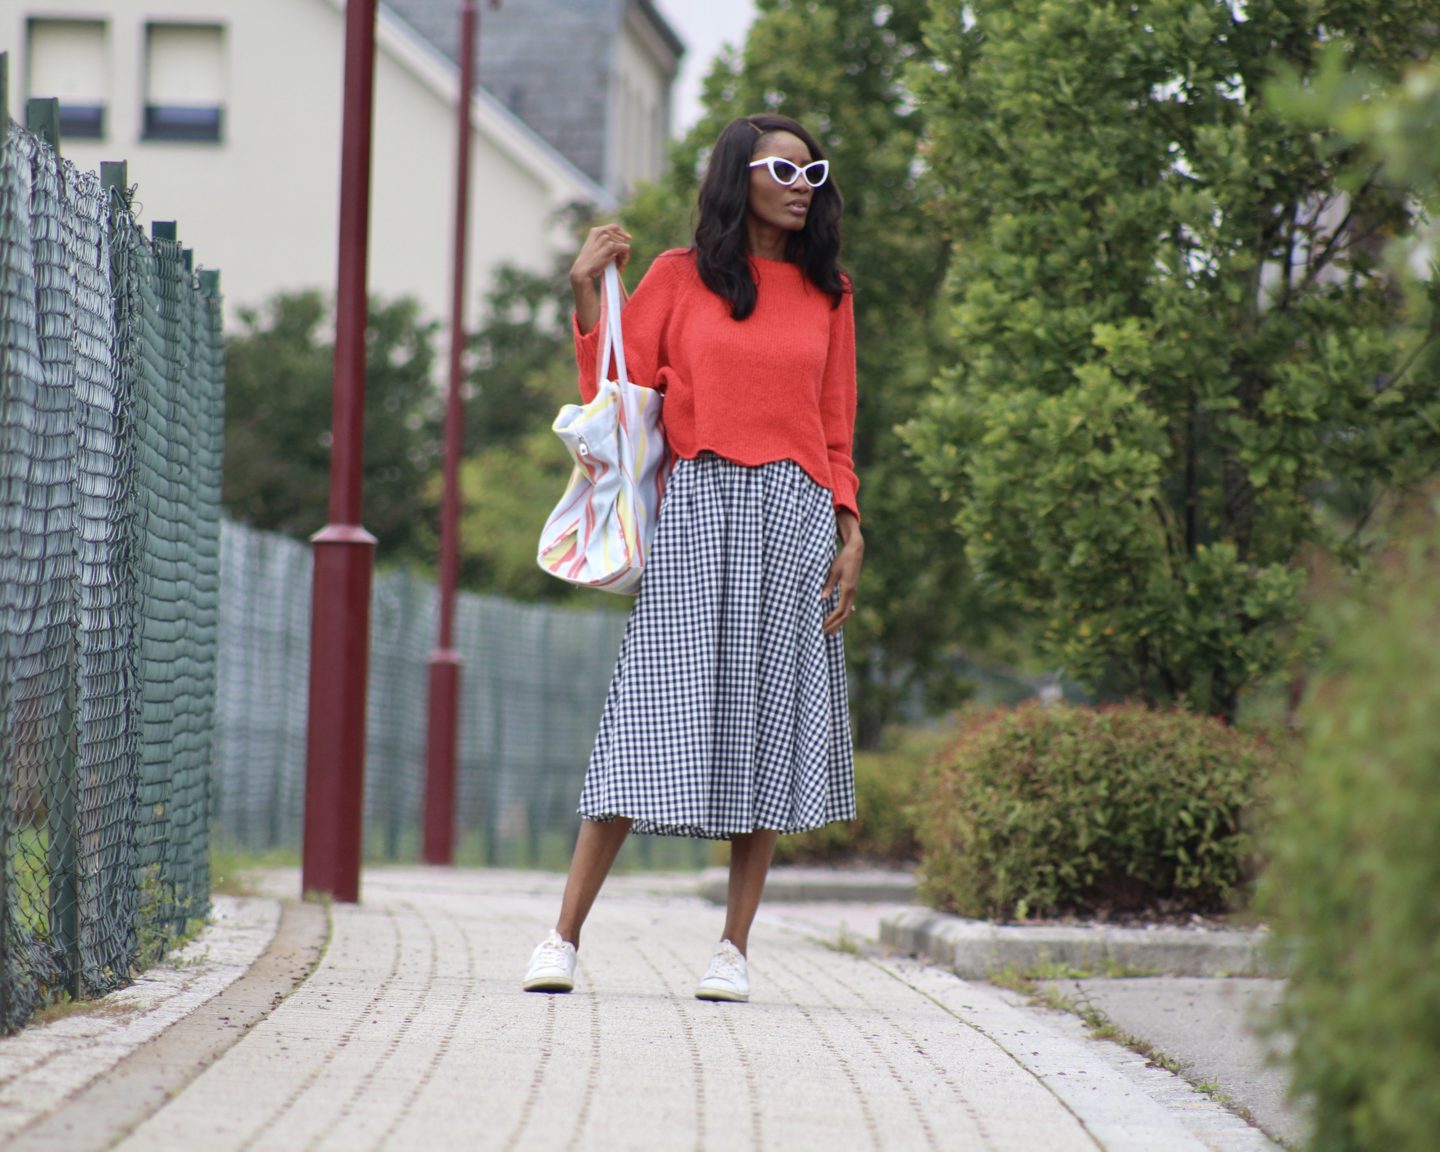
(42, 117)
(163, 230)
(123, 889)
(115, 179)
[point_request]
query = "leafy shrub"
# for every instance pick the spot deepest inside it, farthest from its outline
(883, 831)
(1353, 888)
(1048, 810)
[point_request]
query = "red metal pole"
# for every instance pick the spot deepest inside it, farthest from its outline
(444, 717)
(344, 551)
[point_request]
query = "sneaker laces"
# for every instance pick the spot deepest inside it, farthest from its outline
(552, 950)
(726, 964)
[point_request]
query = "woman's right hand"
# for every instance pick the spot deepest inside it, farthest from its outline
(606, 243)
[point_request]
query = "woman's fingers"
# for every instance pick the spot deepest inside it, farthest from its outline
(603, 244)
(844, 575)
(593, 262)
(844, 609)
(609, 242)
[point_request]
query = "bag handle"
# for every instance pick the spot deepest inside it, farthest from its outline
(612, 340)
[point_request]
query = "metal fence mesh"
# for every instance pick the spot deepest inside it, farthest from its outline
(533, 683)
(111, 378)
(153, 662)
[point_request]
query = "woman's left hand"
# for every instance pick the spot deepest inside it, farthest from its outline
(845, 571)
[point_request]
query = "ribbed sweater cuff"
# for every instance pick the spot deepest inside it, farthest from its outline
(587, 350)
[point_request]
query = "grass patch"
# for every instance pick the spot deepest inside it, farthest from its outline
(66, 1006)
(30, 878)
(229, 868)
(843, 943)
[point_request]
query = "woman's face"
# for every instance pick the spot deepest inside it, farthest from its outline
(770, 201)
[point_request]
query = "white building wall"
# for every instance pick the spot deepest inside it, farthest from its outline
(262, 204)
(644, 72)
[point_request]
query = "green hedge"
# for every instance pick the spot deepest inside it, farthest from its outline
(1353, 889)
(1039, 811)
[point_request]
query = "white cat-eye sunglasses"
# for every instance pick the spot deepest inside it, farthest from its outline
(786, 172)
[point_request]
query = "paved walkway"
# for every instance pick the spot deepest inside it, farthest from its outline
(412, 1032)
(1210, 1025)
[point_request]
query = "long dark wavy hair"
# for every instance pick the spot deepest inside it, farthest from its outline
(721, 236)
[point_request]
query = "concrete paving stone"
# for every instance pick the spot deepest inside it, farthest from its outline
(413, 1032)
(629, 1060)
(1113, 1089)
(44, 1065)
(1214, 1026)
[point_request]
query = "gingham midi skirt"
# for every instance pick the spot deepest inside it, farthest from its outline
(728, 711)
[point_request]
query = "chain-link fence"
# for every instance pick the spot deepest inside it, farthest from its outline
(533, 682)
(116, 753)
(111, 379)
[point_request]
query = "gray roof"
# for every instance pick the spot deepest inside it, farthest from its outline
(547, 61)
(662, 26)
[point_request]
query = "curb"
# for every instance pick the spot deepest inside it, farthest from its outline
(975, 949)
(108, 1108)
(787, 885)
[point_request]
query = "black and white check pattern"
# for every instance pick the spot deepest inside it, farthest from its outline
(728, 710)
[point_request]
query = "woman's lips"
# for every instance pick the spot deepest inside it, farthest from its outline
(798, 207)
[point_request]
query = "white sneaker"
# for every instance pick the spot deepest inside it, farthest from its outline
(726, 978)
(552, 966)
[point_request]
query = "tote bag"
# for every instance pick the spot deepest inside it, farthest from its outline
(599, 534)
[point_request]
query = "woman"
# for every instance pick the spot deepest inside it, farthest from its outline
(727, 716)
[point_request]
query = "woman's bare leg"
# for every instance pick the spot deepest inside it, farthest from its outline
(750, 854)
(595, 851)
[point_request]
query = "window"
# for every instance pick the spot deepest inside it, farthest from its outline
(184, 82)
(68, 59)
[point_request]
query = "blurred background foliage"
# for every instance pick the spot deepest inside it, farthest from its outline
(1355, 858)
(1183, 368)
(1146, 299)
(1144, 336)
(279, 368)
(840, 69)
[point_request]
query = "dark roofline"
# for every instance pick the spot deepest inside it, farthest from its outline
(662, 26)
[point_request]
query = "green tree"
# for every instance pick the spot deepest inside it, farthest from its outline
(838, 67)
(279, 371)
(522, 357)
(1176, 343)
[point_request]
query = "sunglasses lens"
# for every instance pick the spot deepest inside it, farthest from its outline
(784, 171)
(816, 173)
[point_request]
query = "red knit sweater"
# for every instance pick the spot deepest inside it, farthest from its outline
(779, 385)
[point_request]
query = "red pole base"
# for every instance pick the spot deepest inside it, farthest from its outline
(440, 757)
(335, 742)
